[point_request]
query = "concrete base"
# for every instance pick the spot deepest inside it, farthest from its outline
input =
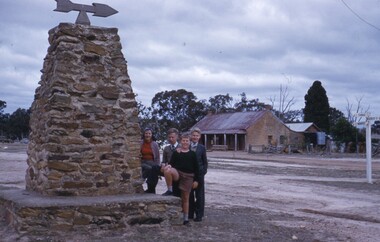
(33, 214)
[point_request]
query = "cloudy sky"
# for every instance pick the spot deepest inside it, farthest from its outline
(214, 47)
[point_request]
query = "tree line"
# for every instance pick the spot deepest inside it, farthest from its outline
(181, 109)
(14, 126)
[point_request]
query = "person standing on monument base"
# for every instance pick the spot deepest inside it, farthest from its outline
(197, 196)
(183, 168)
(150, 158)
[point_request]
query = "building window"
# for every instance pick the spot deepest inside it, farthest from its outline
(282, 139)
(270, 139)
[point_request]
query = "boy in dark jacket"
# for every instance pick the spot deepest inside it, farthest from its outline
(197, 196)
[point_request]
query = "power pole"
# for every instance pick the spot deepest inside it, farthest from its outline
(368, 140)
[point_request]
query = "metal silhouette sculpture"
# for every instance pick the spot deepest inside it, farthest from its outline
(99, 10)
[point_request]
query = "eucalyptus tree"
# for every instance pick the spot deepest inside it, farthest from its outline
(220, 104)
(246, 104)
(19, 123)
(176, 109)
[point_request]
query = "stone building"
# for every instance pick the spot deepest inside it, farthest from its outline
(255, 131)
(243, 130)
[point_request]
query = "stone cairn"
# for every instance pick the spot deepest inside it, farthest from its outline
(85, 136)
(84, 170)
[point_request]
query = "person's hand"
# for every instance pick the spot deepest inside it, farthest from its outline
(167, 167)
(162, 167)
(195, 184)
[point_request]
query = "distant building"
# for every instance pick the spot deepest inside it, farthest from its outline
(305, 133)
(255, 130)
(243, 130)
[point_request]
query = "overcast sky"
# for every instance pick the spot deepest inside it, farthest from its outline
(213, 47)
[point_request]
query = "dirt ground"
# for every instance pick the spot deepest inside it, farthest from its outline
(255, 198)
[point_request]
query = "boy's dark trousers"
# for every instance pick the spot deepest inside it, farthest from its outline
(197, 200)
(151, 173)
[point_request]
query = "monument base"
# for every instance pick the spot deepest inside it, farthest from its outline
(30, 213)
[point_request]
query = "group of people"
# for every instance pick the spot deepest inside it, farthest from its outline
(184, 166)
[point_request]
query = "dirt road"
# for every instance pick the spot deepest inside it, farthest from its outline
(258, 198)
(317, 199)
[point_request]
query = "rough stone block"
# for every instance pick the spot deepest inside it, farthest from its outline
(35, 214)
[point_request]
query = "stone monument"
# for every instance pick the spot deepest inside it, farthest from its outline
(85, 136)
(83, 160)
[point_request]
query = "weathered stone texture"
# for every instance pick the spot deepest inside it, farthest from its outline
(32, 214)
(84, 128)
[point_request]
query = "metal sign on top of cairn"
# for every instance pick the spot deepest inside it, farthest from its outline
(98, 9)
(368, 140)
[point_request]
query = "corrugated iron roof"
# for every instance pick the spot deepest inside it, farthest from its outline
(299, 127)
(229, 123)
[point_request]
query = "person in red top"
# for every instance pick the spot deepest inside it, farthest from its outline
(183, 167)
(150, 158)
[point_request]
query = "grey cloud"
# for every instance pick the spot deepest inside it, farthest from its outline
(214, 47)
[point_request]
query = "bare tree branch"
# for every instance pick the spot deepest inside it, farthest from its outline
(351, 117)
(285, 103)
